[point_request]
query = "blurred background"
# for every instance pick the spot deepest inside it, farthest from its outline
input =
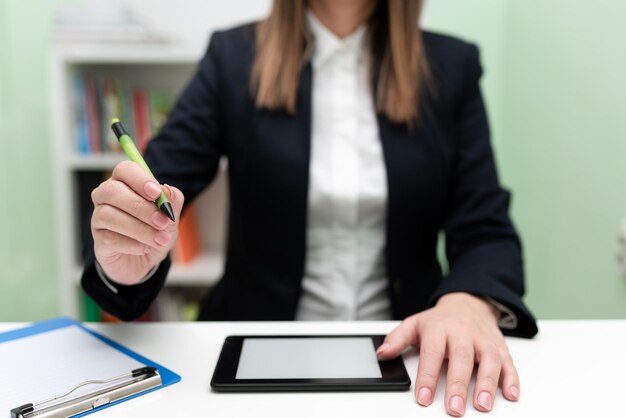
(555, 87)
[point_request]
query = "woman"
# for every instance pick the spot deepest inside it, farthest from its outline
(353, 138)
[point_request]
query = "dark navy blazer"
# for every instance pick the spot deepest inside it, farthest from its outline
(441, 177)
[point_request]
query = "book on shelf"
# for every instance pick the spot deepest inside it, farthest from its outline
(172, 304)
(80, 113)
(150, 315)
(97, 99)
(93, 115)
(85, 182)
(189, 245)
(111, 108)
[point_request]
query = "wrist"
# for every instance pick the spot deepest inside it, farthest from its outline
(140, 275)
(468, 299)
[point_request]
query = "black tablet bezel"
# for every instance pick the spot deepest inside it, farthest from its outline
(395, 377)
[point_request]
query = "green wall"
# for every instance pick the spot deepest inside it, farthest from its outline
(558, 108)
(556, 96)
(28, 279)
(565, 114)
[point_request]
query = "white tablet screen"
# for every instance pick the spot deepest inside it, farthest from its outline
(308, 358)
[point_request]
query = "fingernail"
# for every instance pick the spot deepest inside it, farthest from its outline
(424, 397)
(514, 391)
(384, 347)
(457, 405)
(162, 237)
(485, 401)
(168, 191)
(152, 190)
(159, 219)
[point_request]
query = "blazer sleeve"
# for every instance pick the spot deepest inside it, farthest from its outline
(483, 249)
(185, 154)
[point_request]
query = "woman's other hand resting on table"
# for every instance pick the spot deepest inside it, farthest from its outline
(464, 329)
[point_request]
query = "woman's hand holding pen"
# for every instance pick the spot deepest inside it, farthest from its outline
(464, 329)
(131, 235)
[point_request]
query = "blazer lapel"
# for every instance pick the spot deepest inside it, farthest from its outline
(278, 190)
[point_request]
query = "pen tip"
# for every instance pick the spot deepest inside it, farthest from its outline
(167, 209)
(114, 120)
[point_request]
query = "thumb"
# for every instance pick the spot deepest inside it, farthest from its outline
(403, 336)
(176, 198)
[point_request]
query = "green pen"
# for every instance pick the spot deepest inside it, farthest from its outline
(133, 153)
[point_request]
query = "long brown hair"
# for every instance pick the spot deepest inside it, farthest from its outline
(399, 69)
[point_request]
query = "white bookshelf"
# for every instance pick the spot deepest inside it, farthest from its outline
(165, 68)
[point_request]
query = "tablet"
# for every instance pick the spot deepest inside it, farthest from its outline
(262, 363)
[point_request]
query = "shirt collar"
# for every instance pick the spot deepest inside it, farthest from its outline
(328, 44)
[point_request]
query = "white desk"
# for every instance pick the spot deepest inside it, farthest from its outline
(572, 368)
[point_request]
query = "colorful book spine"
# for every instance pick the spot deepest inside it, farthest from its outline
(91, 311)
(189, 245)
(141, 111)
(93, 119)
(159, 109)
(110, 110)
(80, 112)
(97, 99)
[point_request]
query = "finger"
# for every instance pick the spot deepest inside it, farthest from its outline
(510, 378)
(489, 367)
(120, 195)
(403, 336)
(116, 220)
(460, 367)
(109, 243)
(138, 179)
(432, 353)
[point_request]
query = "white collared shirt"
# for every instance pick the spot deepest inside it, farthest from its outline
(345, 275)
(345, 272)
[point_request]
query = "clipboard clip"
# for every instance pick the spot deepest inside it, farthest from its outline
(115, 388)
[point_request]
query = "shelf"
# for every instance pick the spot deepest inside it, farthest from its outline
(162, 67)
(129, 53)
(107, 161)
(95, 161)
(205, 270)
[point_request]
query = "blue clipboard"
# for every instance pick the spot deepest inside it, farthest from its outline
(168, 377)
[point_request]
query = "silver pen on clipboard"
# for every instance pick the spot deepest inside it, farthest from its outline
(118, 387)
